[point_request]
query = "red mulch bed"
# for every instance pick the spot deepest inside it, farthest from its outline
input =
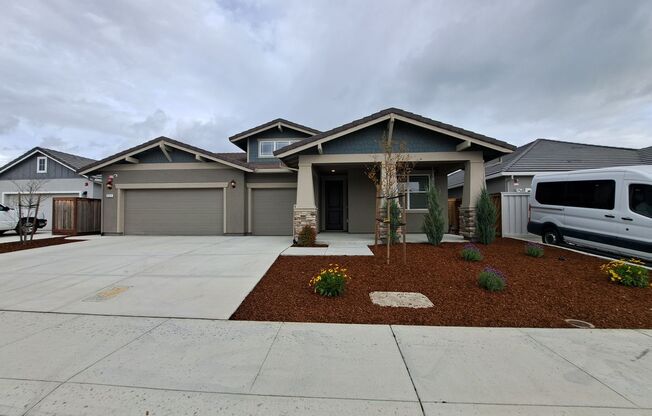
(541, 292)
(43, 242)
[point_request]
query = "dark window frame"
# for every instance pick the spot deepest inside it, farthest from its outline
(588, 193)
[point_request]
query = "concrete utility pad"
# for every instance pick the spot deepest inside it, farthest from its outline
(185, 277)
(401, 300)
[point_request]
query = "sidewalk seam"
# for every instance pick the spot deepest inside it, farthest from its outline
(423, 411)
(269, 350)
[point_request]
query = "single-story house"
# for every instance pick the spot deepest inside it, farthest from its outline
(286, 176)
(54, 173)
(514, 172)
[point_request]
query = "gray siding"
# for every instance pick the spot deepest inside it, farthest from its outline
(156, 155)
(289, 177)
(367, 140)
(235, 198)
(271, 211)
(27, 170)
(271, 134)
(361, 202)
(174, 212)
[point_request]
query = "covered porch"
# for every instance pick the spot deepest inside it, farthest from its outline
(334, 196)
(334, 193)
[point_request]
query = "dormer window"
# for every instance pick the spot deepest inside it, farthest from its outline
(41, 164)
(266, 148)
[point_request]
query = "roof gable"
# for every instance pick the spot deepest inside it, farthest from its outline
(161, 142)
(278, 123)
(401, 115)
(67, 160)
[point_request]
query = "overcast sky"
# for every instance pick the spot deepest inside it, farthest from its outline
(94, 77)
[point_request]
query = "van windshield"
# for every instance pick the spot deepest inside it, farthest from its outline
(640, 199)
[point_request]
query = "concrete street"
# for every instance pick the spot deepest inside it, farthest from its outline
(189, 277)
(67, 364)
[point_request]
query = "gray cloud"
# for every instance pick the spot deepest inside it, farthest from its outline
(105, 75)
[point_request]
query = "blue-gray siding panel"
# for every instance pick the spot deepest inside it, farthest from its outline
(415, 139)
(27, 170)
(155, 155)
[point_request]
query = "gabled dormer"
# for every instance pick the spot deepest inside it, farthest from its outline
(262, 141)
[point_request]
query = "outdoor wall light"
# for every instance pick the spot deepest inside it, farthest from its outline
(232, 183)
(332, 170)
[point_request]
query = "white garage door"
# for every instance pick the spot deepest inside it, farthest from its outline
(271, 211)
(45, 207)
(174, 212)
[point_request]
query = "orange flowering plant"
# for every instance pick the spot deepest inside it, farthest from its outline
(627, 272)
(330, 281)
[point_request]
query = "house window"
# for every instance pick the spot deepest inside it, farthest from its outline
(266, 148)
(41, 165)
(417, 186)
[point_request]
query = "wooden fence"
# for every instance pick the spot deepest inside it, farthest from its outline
(74, 216)
(454, 214)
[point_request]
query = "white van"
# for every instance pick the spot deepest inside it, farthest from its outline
(608, 209)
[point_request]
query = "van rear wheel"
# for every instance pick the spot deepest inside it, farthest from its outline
(551, 236)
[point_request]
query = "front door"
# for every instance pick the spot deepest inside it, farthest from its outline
(334, 201)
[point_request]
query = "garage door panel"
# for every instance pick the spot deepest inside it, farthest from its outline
(174, 212)
(271, 211)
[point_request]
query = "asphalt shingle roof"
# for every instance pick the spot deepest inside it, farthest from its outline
(545, 155)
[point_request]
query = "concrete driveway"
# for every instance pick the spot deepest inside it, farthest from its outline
(184, 277)
(55, 364)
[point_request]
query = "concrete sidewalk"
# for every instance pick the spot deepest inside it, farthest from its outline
(56, 364)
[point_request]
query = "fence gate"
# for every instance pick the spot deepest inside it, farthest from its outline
(72, 216)
(514, 207)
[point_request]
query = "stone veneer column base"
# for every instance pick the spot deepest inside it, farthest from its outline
(467, 223)
(303, 217)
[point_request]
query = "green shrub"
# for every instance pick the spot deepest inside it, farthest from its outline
(394, 221)
(492, 280)
(486, 216)
(433, 223)
(307, 236)
(534, 250)
(330, 282)
(627, 272)
(471, 253)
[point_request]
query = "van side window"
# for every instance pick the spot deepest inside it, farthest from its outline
(640, 199)
(550, 193)
(600, 194)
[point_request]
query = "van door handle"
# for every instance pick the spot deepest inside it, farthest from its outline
(609, 216)
(627, 219)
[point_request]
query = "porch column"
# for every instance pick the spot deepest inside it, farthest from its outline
(474, 181)
(305, 210)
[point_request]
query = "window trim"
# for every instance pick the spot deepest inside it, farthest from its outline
(274, 141)
(38, 164)
(407, 190)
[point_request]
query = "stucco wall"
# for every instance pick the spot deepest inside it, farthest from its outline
(235, 198)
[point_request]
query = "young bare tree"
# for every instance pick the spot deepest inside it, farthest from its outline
(390, 176)
(28, 207)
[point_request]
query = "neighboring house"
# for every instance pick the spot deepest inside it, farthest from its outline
(514, 172)
(288, 176)
(56, 174)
